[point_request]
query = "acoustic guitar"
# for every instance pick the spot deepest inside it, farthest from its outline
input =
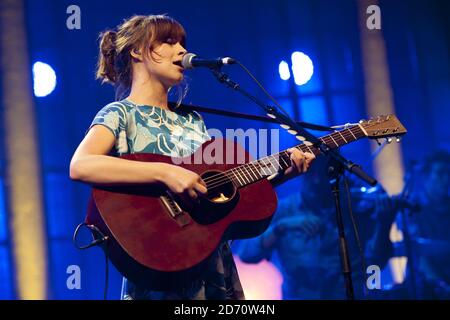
(158, 242)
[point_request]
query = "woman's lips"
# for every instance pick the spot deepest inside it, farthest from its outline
(178, 63)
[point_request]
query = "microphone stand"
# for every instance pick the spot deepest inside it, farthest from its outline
(336, 170)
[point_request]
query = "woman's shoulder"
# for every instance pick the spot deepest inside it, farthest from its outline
(119, 107)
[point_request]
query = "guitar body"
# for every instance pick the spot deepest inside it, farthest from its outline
(160, 248)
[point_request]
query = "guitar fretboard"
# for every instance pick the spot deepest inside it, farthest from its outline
(254, 171)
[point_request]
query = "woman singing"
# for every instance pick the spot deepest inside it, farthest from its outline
(142, 60)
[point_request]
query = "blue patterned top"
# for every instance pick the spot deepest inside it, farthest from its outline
(148, 129)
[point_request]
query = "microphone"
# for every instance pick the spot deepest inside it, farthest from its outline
(191, 61)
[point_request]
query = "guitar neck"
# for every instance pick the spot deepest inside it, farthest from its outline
(262, 168)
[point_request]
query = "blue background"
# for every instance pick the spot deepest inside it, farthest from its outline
(260, 34)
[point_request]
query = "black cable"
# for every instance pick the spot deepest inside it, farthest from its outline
(99, 239)
(356, 232)
(262, 88)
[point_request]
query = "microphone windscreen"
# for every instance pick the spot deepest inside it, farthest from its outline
(186, 62)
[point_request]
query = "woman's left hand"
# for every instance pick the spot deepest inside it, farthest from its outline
(300, 161)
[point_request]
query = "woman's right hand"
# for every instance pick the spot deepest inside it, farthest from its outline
(186, 184)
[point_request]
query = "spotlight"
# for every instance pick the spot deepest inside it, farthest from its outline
(44, 79)
(302, 68)
(283, 69)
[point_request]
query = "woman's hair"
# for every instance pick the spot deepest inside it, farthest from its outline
(135, 33)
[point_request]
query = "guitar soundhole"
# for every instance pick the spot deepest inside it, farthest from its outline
(221, 199)
(220, 188)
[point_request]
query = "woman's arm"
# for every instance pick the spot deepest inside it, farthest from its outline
(91, 164)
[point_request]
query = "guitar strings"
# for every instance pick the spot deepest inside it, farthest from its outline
(219, 178)
(243, 172)
(223, 180)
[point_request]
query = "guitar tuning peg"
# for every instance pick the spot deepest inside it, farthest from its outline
(378, 142)
(388, 140)
(398, 139)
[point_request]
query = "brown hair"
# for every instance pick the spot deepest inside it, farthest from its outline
(114, 63)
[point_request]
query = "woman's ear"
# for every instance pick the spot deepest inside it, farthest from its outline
(136, 54)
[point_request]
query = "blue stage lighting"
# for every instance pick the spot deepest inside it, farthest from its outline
(302, 68)
(44, 79)
(283, 69)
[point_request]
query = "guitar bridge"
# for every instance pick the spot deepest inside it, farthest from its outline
(174, 210)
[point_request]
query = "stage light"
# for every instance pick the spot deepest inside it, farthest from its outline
(261, 281)
(283, 69)
(44, 79)
(302, 68)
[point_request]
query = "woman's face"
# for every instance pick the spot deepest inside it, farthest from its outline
(164, 63)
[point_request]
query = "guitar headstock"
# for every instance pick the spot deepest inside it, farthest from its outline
(383, 127)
